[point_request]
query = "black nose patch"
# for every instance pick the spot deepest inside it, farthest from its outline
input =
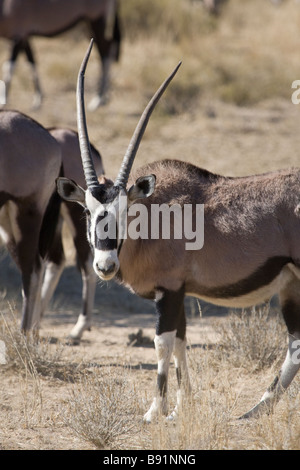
(106, 232)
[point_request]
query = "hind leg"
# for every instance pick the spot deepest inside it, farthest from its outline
(54, 267)
(105, 47)
(74, 217)
(9, 66)
(290, 305)
(26, 220)
(38, 95)
(89, 281)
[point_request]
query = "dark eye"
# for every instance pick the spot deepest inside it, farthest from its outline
(87, 212)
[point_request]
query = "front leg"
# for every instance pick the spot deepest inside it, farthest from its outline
(164, 344)
(169, 305)
(38, 95)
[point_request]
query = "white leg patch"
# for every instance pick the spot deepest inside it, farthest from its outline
(51, 278)
(184, 385)
(164, 345)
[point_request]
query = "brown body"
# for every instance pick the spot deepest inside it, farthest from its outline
(30, 161)
(257, 216)
(23, 19)
(20, 20)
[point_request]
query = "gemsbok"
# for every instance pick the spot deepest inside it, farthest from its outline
(30, 161)
(31, 213)
(213, 6)
(73, 215)
(20, 20)
(250, 252)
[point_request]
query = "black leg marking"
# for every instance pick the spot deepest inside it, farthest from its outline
(162, 384)
(16, 49)
(28, 51)
(179, 376)
(170, 312)
(291, 315)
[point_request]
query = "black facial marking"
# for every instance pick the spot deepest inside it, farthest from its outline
(106, 245)
(106, 240)
(106, 235)
(105, 194)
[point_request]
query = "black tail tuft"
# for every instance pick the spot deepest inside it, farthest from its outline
(50, 222)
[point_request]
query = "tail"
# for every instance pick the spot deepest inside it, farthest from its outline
(117, 36)
(50, 222)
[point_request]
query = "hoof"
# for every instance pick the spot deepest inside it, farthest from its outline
(37, 102)
(257, 411)
(72, 341)
(96, 102)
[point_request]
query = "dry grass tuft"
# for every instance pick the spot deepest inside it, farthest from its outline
(102, 409)
(30, 355)
(255, 337)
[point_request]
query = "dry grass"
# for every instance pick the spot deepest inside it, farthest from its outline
(244, 346)
(246, 56)
(32, 355)
(105, 405)
(103, 409)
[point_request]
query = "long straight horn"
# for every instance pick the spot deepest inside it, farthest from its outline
(139, 132)
(85, 149)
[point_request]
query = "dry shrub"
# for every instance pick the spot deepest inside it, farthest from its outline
(32, 355)
(102, 409)
(254, 338)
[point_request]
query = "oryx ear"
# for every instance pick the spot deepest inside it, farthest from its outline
(70, 191)
(143, 187)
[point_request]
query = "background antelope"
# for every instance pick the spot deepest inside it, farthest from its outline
(250, 252)
(213, 6)
(30, 160)
(74, 217)
(21, 20)
(31, 213)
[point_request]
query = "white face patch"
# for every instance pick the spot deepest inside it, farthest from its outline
(103, 235)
